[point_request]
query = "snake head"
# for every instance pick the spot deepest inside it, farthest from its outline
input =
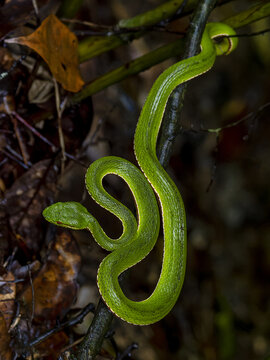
(68, 214)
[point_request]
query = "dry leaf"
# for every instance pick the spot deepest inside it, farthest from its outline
(57, 45)
(24, 204)
(55, 286)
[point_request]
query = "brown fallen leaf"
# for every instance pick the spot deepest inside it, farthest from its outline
(24, 202)
(46, 300)
(57, 45)
(55, 287)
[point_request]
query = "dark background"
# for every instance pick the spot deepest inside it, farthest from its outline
(223, 310)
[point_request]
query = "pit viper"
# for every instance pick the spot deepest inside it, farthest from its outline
(140, 234)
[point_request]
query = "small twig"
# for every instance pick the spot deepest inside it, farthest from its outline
(214, 166)
(105, 30)
(3, 161)
(41, 137)
(20, 140)
(92, 342)
(253, 114)
(262, 32)
(33, 294)
(74, 321)
(14, 159)
(94, 138)
(2, 282)
(34, 130)
(87, 23)
(9, 107)
(9, 104)
(59, 110)
(127, 351)
(128, 31)
(17, 155)
(16, 318)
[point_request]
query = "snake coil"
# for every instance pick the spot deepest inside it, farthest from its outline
(139, 237)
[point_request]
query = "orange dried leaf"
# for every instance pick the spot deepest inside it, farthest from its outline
(57, 45)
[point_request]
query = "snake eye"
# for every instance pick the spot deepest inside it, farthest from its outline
(224, 44)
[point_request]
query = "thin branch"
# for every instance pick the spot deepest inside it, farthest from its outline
(10, 156)
(41, 137)
(256, 33)
(127, 351)
(253, 114)
(92, 342)
(32, 293)
(59, 120)
(74, 321)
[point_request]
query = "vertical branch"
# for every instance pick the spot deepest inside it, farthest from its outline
(92, 342)
(171, 125)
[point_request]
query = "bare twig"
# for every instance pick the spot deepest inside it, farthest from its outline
(127, 351)
(92, 342)
(41, 137)
(74, 321)
(14, 158)
(32, 293)
(59, 108)
(33, 130)
(253, 114)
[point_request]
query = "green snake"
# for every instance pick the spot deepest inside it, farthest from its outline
(139, 236)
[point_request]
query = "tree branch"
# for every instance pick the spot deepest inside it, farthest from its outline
(171, 125)
(93, 339)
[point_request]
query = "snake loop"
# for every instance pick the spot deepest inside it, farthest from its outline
(139, 237)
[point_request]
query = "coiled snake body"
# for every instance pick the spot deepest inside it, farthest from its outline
(139, 237)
